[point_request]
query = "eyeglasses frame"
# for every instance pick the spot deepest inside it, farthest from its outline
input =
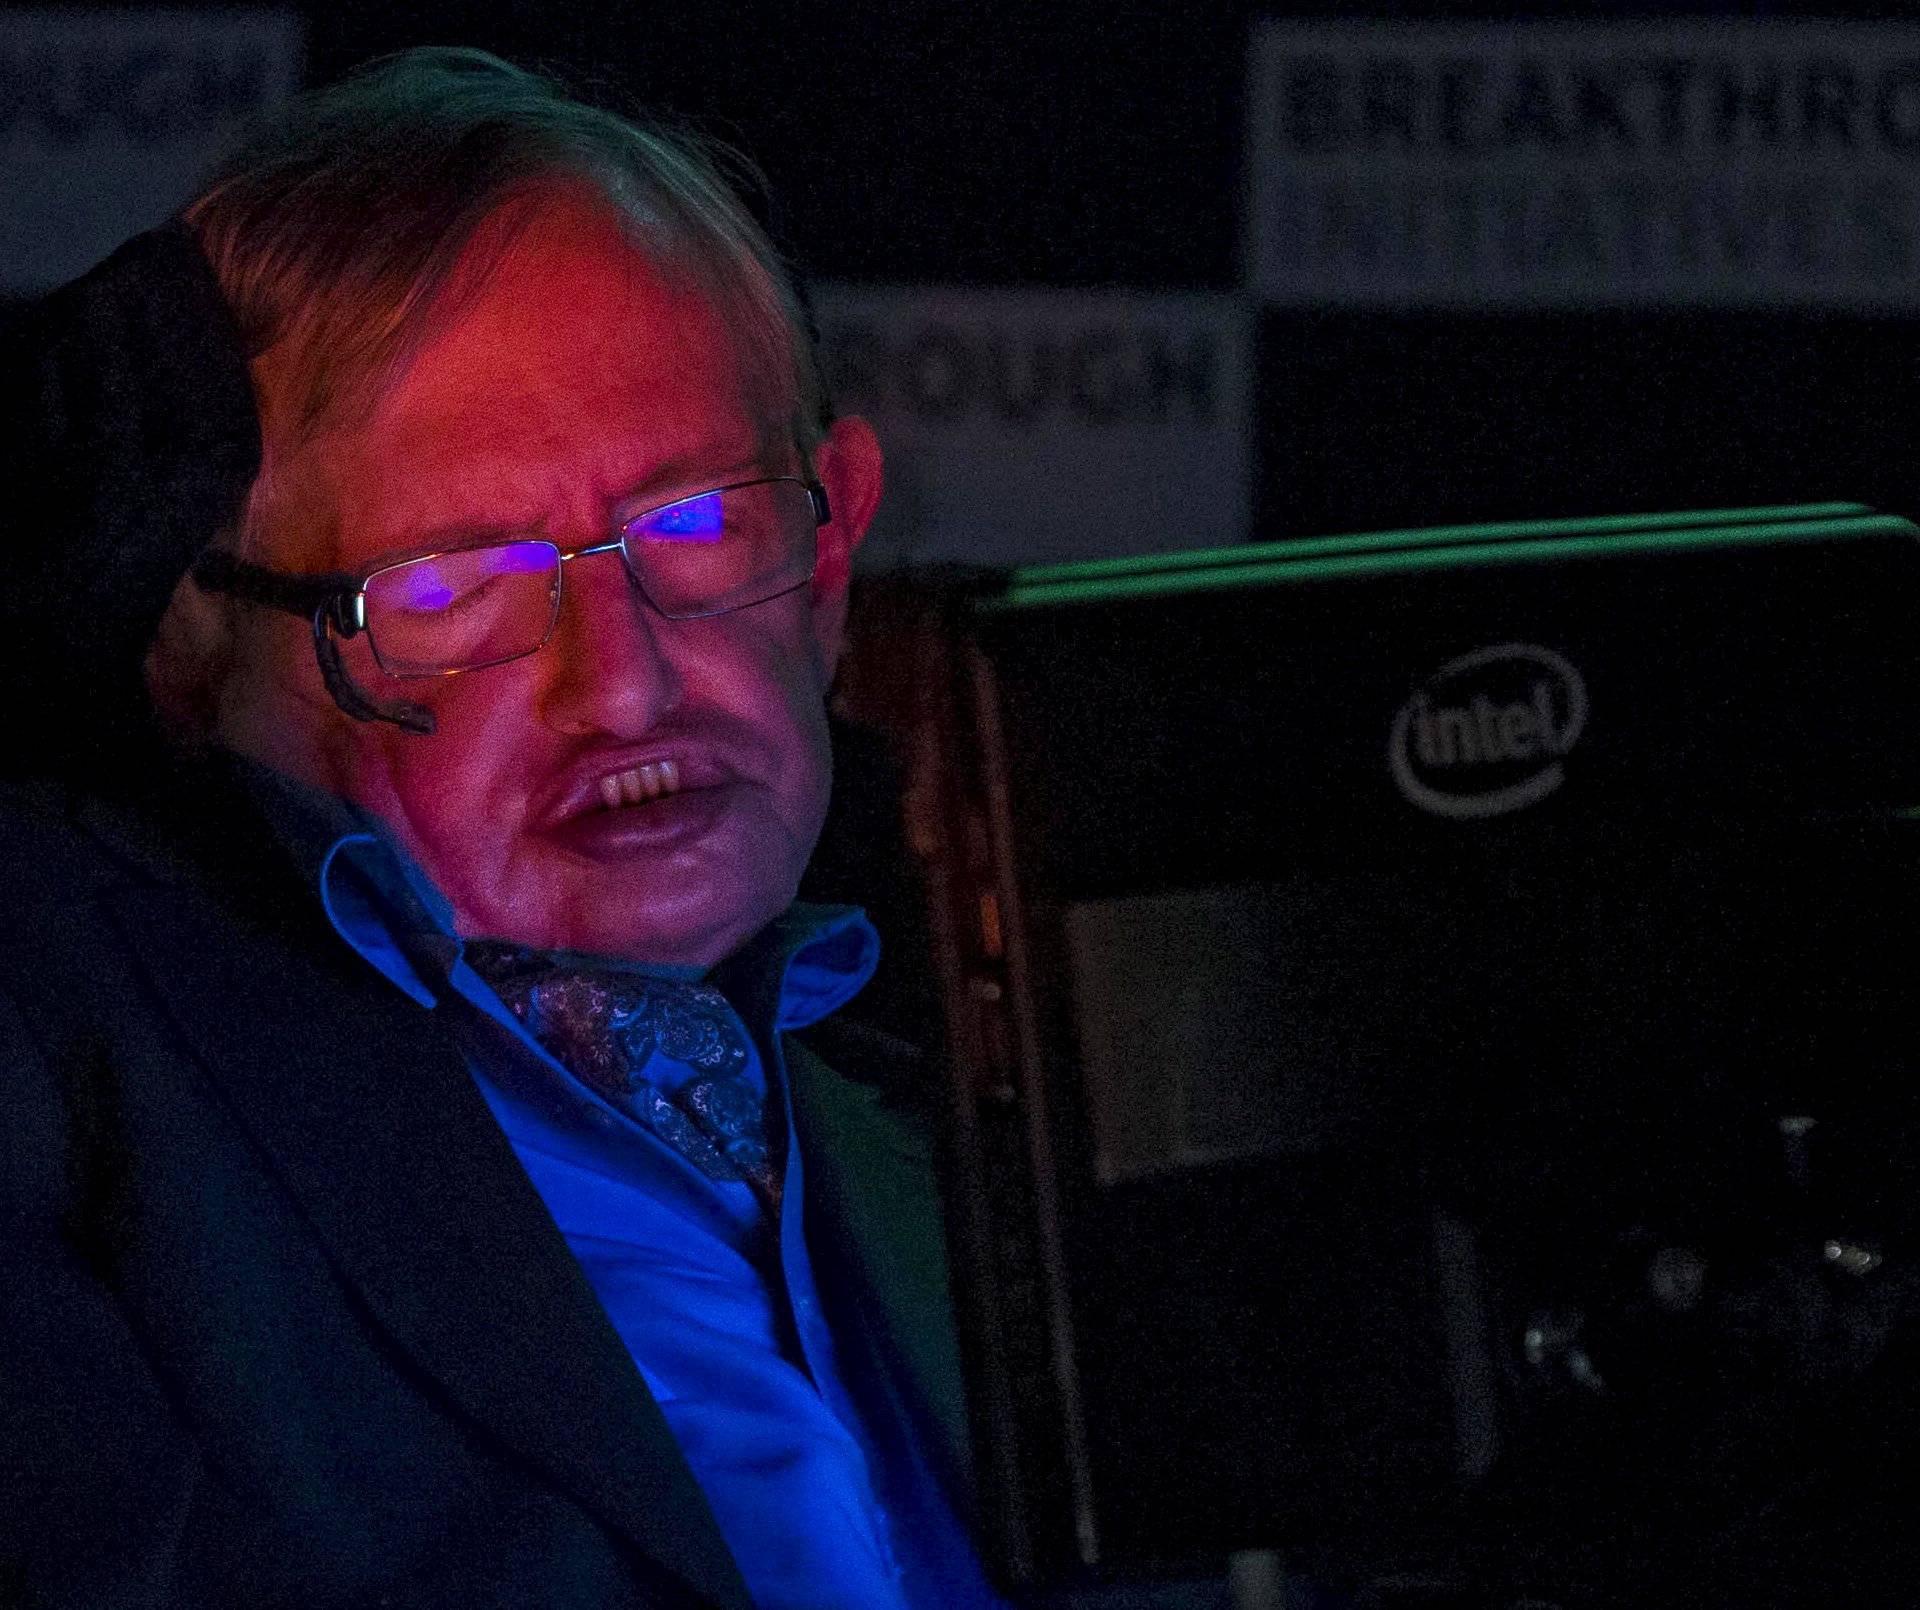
(335, 601)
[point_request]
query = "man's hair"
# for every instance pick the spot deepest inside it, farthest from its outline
(336, 228)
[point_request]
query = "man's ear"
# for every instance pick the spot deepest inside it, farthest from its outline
(189, 658)
(847, 464)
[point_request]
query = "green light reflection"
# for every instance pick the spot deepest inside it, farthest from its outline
(1449, 548)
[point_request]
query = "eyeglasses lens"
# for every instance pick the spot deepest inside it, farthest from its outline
(723, 550)
(461, 610)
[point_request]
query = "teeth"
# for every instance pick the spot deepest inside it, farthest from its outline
(638, 784)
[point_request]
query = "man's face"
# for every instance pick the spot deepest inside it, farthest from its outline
(575, 383)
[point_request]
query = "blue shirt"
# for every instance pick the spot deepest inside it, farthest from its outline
(717, 1308)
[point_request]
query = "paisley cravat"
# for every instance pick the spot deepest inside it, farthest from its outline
(605, 1024)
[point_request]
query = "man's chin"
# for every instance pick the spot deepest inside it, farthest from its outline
(637, 886)
(682, 914)
(631, 936)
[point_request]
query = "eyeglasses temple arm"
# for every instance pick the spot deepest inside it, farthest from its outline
(219, 571)
(320, 600)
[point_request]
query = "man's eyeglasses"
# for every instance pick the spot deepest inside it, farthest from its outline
(480, 604)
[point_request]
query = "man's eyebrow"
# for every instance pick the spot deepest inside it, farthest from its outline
(685, 476)
(693, 473)
(454, 533)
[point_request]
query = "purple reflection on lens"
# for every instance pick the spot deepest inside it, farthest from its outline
(695, 520)
(523, 558)
(422, 587)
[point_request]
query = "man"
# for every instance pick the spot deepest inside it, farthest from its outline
(414, 1191)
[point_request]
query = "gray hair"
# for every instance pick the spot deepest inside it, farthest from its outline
(337, 226)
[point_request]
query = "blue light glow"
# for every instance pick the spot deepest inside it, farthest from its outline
(423, 587)
(700, 519)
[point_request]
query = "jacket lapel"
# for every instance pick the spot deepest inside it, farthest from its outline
(875, 1232)
(373, 1124)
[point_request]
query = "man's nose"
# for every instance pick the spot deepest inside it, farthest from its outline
(610, 667)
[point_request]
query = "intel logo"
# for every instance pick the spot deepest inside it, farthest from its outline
(1487, 733)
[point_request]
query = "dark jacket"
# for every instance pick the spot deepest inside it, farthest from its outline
(283, 1322)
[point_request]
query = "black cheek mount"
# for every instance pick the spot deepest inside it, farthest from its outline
(329, 620)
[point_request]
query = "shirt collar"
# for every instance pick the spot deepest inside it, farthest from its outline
(808, 962)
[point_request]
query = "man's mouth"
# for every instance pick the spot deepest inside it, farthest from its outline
(654, 808)
(654, 779)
